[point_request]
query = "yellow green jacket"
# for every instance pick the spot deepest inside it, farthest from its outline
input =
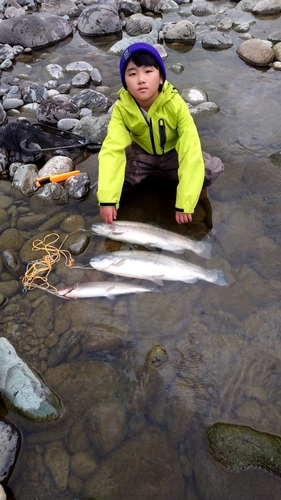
(127, 124)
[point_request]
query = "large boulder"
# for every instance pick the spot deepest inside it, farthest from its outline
(35, 30)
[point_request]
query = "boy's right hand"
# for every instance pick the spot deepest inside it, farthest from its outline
(108, 214)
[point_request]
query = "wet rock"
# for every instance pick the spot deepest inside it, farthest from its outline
(10, 442)
(194, 95)
(55, 71)
(60, 7)
(9, 288)
(56, 165)
(3, 495)
(12, 262)
(57, 461)
(98, 20)
(204, 109)
(91, 99)
(67, 341)
(96, 77)
(93, 128)
(24, 179)
(216, 482)
(239, 447)
(106, 425)
(256, 52)
(34, 30)
(3, 299)
(67, 123)
(102, 379)
(53, 192)
(146, 475)
(138, 24)
(3, 114)
(81, 79)
(72, 223)
(275, 37)
(202, 10)
(78, 67)
(129, 7)
(121, 45)
(216, 40)
(77, 242)
(182, 31)
(83, 465)
(53, 110)
(106, 337)
(277, 51)
(267, 7)
(78, 186)
(12, 239)
(23, 390)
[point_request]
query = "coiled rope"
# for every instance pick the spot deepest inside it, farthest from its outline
(37, 271)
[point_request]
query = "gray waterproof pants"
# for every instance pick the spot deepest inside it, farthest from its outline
(140, 164)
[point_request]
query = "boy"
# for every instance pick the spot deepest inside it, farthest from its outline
(151, 129)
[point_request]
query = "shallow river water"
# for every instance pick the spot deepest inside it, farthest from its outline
(219, 359)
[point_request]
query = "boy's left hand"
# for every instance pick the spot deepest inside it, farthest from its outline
(183, 218)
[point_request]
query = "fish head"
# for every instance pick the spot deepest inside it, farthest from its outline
(102, 228)
(102, 262)
(65, 292)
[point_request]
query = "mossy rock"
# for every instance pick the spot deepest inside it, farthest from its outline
(276, 157)
(240, 447)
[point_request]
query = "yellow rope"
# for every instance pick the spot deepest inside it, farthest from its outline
(37, 271)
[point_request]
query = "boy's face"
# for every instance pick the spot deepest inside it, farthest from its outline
(143, 83)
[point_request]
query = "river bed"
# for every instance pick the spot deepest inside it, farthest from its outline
(221, 344)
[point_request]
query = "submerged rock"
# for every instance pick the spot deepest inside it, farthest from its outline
(240, 447)
(10, 441)
(23, 389)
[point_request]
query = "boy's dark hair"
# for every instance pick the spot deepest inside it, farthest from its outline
(144, 59)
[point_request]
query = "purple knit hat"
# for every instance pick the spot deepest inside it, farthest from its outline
(137, 47)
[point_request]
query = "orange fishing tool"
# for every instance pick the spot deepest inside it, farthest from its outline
(40, 181)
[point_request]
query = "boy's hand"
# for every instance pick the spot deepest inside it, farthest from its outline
(183, 218)
(108, 214)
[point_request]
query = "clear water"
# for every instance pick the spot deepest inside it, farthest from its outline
(223, 343)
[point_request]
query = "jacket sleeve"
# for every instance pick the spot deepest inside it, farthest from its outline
(112, 160)
(191, 169)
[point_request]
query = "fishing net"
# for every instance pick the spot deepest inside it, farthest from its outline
(37, 271)
(26, 143)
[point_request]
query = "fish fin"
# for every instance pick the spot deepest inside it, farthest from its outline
(110, 297)
(157, 279)
(120, 262)
(220, 279)
(206, 250)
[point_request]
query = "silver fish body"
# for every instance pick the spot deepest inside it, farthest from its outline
(151, 236)
(107, 289)
(155, 267)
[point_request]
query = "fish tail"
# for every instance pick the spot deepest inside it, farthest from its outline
(220, 278)
(205, 250)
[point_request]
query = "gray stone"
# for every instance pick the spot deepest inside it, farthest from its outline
(52, 110)
(146, 476)
(34, 30)
(138, 24)
(10, 442)
(23, 389)
(106, 425)
(91, 99)
(99, 20)
(216, 40)
(257, 52)
(182, 31)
